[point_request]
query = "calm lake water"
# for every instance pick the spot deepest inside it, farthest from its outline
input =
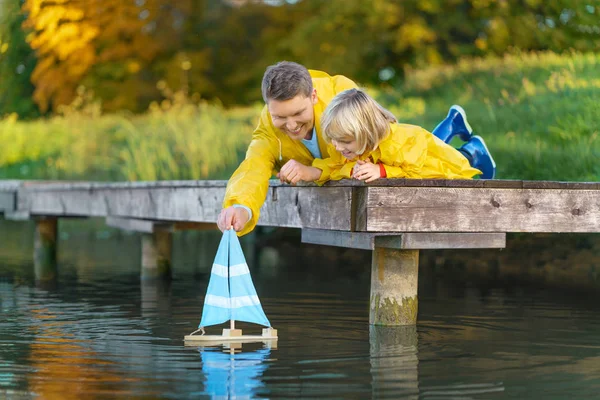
(101, 333)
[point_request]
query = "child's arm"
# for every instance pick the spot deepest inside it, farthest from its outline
(334, 167)
(368, 172)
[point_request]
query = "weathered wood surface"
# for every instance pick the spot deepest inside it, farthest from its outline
(432, 209)
(131, 225)
(145, 226)
(285, 206)
(8, 196)
(406, 241)
(387, 205)
(469, 183)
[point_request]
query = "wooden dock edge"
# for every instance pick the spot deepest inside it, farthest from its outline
(404, 241)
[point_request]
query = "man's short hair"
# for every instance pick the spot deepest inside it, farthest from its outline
(286, 80)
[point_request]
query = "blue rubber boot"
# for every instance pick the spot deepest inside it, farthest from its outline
(479, 157)
(454, 124)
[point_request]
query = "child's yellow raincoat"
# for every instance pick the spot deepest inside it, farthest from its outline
(409, 151)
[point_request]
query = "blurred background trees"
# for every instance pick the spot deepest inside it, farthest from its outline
(170, 89)
(126, 52)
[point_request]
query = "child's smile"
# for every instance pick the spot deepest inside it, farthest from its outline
(348, 148)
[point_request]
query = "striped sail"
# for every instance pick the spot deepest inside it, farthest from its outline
(230, 293)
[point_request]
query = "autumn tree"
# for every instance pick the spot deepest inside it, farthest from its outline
(219, 49)
(116, 48)
(16, 63)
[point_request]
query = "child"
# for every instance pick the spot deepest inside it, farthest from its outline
(371, 144)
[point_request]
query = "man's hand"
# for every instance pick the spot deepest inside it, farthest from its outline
(235, 217)
(294, 172)
(366, 171)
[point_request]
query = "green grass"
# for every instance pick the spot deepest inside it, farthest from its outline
(538, 113)
(176, 141)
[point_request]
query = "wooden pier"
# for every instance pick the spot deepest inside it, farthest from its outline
(393, 218)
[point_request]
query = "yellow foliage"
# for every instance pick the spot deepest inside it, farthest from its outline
(71, 36)
(62, 39)
(413, 33)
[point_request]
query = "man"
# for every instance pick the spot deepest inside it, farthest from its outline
(288, 138)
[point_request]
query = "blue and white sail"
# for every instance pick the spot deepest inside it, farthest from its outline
(230, 294)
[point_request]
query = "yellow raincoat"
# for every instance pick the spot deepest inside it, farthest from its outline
(271, 148)
(409, 151)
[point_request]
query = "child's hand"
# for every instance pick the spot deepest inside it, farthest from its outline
(294, 172)
(366, 171)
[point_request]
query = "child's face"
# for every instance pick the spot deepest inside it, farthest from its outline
(295, 117)
(347, 147)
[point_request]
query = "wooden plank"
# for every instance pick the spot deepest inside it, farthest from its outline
(359, 216)
(488, 183)
(482, 210)
(285, 206)
(560, 185)
(7, 201)
(426, 240)
(194, 226)
(405, 241)
(502, 184)
(131, 225)
(353, 240)
(468, 183)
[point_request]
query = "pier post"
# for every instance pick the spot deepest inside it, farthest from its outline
(156, 254)
(44, 256)
(394, 279)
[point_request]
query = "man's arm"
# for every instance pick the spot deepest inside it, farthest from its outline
(249, 184)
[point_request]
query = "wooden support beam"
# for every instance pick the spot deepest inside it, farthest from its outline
(406, 241)
(45, 239)
(394, 281)
(156, 254)
(432, 209)
(194, 226)
(131, 224)
(146, 226)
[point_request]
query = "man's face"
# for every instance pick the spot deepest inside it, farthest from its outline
(348, 148)
(294, 117)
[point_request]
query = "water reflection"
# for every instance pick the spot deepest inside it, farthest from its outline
(394, 361)
(58, 357)
(155, 296)
(100, 332)
(232, 373)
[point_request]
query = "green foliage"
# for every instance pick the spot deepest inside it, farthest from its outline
(219, 49)
(537, 112)
(174, 140)
(16, 63)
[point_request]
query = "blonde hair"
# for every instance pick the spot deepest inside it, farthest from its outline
(354, 115)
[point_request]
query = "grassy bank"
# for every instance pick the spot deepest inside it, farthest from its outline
(537, 112)
(175, 140)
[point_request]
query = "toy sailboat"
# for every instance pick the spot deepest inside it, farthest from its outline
(231, 296)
